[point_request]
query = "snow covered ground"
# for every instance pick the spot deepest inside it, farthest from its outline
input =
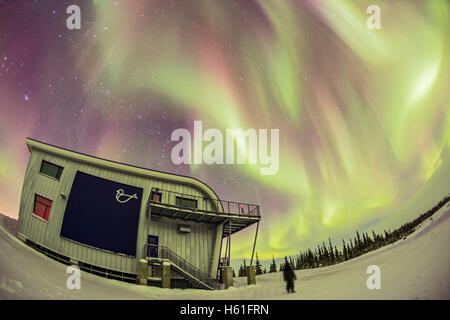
(415, 268)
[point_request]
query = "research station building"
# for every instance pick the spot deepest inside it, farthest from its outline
(116, 220)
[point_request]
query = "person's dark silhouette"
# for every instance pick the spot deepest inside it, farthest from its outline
(289, 277)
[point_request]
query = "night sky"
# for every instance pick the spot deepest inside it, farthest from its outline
(363, 114)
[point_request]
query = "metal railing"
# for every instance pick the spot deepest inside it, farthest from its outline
(203, 204)
(163, 252)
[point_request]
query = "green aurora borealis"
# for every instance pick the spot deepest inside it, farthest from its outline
(363, 114)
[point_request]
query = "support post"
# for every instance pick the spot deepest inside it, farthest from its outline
(229, 250)
(251, 279)
(227, 276)
(226, 249)
(214, 272)
(165, 275)
(254, 243)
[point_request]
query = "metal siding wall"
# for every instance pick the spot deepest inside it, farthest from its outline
(195, 247)
(24, 203)
(24, 217)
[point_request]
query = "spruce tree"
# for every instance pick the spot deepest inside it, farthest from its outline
(359, 240)
(283, 264)
(364, 242)
(326, 256)
(374, 238)
(257, 265)
(298, 262)
(320, 256)
(336, 255)
(273, 266)
(369, 242)
(332, 257)
(242, 270)
(344, 250)
(240, 273)
(310, 259)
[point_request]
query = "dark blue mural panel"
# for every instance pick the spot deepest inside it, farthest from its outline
(102, 213)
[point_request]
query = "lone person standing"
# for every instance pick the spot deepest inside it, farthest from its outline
(289, 277)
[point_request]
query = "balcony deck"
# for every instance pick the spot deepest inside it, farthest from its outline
(176, 205)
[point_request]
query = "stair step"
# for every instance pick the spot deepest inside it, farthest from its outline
(178, 270)
(190, 278)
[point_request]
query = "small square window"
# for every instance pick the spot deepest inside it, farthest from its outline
(51, 169)
(42, 207)
(156, 196)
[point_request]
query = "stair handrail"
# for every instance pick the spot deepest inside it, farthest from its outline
(167, 253)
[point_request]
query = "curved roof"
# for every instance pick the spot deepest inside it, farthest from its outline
(117, 166)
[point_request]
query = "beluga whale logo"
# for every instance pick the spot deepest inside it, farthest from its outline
(120, 193)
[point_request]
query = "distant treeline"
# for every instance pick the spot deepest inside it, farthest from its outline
(327, 254)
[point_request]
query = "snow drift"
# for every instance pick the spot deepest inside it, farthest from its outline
(413, 268)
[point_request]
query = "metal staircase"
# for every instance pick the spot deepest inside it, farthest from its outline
(188, 271)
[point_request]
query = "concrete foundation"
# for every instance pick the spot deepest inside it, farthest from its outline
(251, 279)
(21, 237)
(227, 277)
(165, 275)
(143, 272)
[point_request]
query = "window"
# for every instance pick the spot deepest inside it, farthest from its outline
(42, 207)
(50, 169)
(156, 196)
(185, 202)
